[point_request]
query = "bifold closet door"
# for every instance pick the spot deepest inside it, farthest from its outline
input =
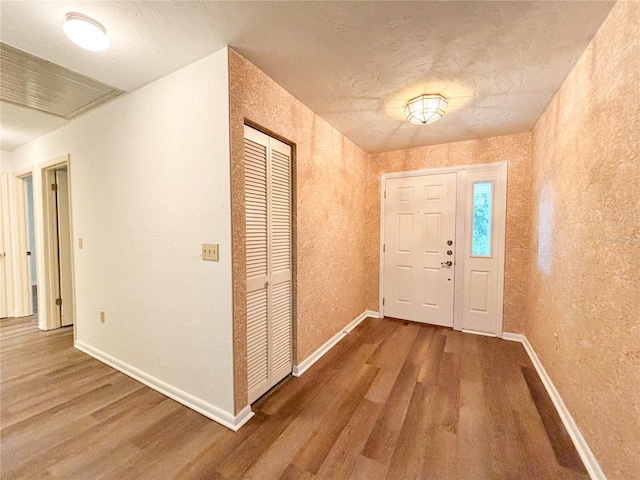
(267, 166)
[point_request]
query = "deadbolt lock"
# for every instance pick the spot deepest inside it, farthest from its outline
(449, 242)
(449, 252)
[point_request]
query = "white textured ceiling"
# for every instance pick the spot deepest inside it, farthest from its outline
(354, 63)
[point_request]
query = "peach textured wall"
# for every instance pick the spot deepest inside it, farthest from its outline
(584, 283)
(516, 149)
(330, 206)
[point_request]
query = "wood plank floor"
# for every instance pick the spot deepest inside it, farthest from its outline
(392, 400)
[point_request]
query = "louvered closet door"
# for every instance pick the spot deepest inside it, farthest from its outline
(267, 164)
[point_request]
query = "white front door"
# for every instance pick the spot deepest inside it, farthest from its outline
(419, 235)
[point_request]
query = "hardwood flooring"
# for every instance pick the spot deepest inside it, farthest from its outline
(392, 400)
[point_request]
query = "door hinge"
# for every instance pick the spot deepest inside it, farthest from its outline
(58, 301)
(385, 194)
(54, 187)
(383, 302)
(384, 248)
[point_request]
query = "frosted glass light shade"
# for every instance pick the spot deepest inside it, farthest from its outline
(426, 109)
(85, 32)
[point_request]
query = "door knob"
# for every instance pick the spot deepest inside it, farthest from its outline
(447, 263)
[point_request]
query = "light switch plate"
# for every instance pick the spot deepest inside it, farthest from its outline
(210, 252)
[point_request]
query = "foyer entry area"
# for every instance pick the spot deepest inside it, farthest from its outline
(394, 399)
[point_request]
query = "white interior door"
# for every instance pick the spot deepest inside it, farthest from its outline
(4, 258)
(3, 287)
(27, 183)
(267, 163)
(419, 232)
(64, 247)
(31, 241)
(20, 242)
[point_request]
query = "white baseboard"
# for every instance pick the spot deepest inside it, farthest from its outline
(241, 418)
(514, 337)
(186, 399)
(317, 355)
(589, 460)
(482, 334)
(371, 314)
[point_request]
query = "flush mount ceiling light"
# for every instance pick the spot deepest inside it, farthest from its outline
(85, 32)
(426, 109)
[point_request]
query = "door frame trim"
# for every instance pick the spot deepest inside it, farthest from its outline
(500, 212)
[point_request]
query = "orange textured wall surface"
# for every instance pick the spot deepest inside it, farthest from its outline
(329, 210)
(516, 150)
(584, 282)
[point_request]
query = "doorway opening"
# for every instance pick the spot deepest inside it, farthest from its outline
(25, 278)
(442, 246)
(269, 261)
(58, 307)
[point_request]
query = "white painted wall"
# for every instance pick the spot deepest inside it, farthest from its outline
(6, 165)
(150, 181)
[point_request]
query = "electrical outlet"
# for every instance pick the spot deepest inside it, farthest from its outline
(210, 252)
(102, 319)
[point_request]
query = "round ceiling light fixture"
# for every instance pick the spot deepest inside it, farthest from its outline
(426, 109)
(85, 32)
